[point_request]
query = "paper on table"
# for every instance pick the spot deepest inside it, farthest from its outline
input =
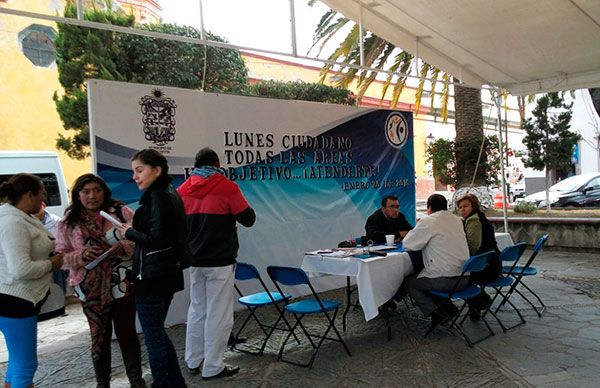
(382, 247)
(94, 263)
(332, 253)
(110, 218)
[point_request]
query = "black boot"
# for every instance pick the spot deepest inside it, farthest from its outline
(132, 359)
(102, 369)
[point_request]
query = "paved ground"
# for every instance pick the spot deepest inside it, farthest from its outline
(560, 349)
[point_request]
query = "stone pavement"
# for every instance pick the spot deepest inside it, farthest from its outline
(560, 349)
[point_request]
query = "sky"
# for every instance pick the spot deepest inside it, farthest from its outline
(263, 24)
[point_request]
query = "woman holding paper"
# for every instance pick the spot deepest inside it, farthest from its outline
(98, 266)
(160, 233)
(26, 267)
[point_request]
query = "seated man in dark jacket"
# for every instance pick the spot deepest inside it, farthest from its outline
(387, 220)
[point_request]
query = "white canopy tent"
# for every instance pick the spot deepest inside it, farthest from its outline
(524, 46)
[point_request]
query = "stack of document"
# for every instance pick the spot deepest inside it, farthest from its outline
(333, 252)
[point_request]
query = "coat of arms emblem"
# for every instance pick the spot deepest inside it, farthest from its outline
(158, 117)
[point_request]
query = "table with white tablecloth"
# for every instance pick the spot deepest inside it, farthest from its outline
(377, 278)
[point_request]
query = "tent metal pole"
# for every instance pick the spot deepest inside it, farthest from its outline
(416, 56)
(79, 6)
(498, 100)
(187, 39)
(361, 34)
(201, 11)
(293, 28)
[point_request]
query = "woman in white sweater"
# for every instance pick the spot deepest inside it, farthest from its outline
(26, 267)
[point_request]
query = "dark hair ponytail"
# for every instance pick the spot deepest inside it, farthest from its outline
(18, 185)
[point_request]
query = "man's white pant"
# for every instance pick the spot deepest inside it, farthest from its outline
(210, 317)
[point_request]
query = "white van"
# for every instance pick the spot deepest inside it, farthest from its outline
(44, 164)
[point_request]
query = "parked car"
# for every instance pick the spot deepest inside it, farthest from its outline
(517, 190)
(576, 191)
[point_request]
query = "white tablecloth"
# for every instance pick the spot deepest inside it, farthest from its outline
(377, 278)
(504, 240)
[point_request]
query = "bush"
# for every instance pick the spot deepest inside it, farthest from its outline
(306, 91)
(525, 207)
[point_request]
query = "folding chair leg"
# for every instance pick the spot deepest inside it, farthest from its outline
(287, 338)
(237, 335)
(332, 322)
(241, 329)
(316, 349)
(316, 346)
(308, 336)
(324, 337)
(495, 313)
(458, 326)
(263, 327)
(543, 306)
(289, 328)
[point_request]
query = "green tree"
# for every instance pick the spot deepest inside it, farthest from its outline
(468, 123)
(548, 140)
(171, 63)
(380, 54)
(84, 53)
(443, 155)
(301, 91)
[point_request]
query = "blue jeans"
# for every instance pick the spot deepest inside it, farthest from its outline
(20, 335)
(152, 311)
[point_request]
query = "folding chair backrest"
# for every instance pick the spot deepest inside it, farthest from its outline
(289, 276)
(478, 262)
(540, 243)
(245, 271)
(537, 248)
(513, 252)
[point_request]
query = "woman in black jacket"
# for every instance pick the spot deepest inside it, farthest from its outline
(481, 239)
(159, 232)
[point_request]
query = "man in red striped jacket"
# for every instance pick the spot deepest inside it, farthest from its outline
(213, 207)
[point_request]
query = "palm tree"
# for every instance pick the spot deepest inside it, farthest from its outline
(595, 94)
(468, 124)
(380, 54)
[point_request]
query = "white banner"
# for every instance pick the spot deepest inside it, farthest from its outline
(312, 172)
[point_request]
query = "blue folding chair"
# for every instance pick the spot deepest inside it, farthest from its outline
(289, 276)
(245, 271)
(474, 264)
(519, 272)
(508, 254)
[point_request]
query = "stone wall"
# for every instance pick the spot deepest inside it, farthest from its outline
(564, 233)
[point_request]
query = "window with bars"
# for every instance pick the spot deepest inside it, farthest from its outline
(37, 45)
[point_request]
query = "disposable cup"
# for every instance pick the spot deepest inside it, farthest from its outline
(389, 239)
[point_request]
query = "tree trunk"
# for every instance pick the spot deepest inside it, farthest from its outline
(595, 94)
(469, 135)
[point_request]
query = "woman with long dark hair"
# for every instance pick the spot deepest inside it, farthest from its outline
(104, 288)
(26, 266)
(480, 238)
(160, 233)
